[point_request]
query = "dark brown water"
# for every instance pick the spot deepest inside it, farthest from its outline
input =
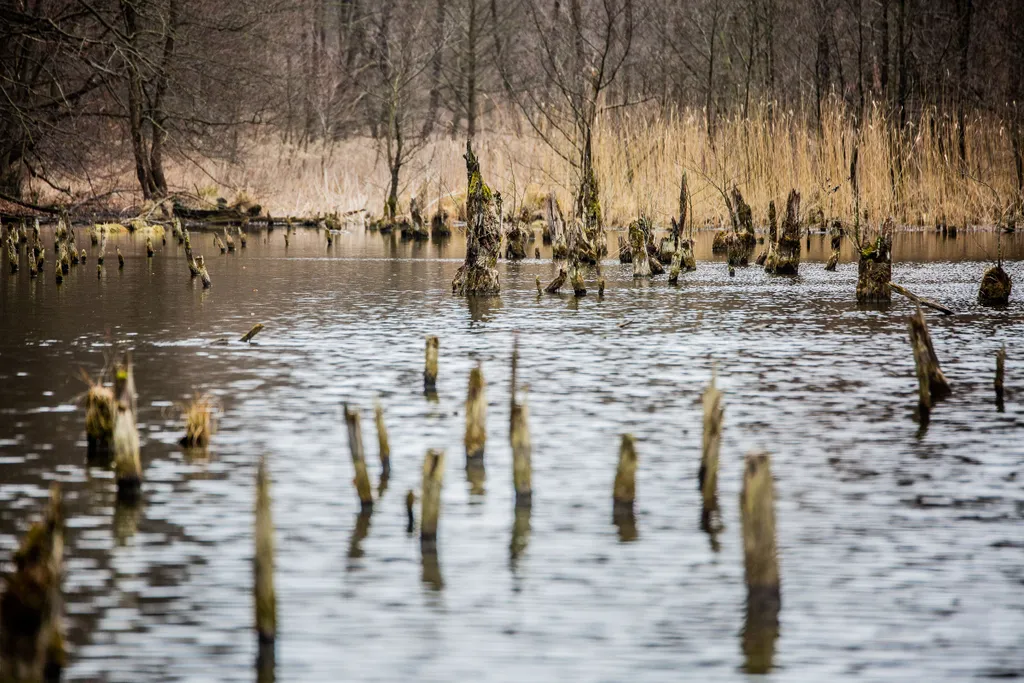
(900, 548)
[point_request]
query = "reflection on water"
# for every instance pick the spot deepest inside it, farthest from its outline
(900, 546)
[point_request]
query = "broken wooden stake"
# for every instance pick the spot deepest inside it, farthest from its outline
(557, 283)
(760, 560)
(383, 446)
(476, 417)
(932, 383)
(707, 475)
(355, 445)
(433, 478)
(127, 465)
(1000, 369)
(430, 367)
(263, 579)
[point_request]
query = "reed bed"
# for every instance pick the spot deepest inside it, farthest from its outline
(916, 175)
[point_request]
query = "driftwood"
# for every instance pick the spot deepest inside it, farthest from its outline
(919, 300)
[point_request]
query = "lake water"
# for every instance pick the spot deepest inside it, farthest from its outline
(900, 548)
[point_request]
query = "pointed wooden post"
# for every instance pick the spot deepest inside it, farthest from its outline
(1000, 370)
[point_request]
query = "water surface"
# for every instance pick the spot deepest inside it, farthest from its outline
(900, 547)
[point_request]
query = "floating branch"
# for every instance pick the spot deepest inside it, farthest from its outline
(256, 329)
(919, 300)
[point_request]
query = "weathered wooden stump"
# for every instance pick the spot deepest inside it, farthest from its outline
(479, 274)
(783, 257)
(355, 446)
(761, 566)
(707, 475)
(874, 269)
(995, 288)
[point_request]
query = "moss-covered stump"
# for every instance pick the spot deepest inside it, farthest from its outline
(874, 270)
(743, 220)
(738, 253)
(638, 248)
(995, 287)
(516, 240)
(666, 250)
(31, 629)
(720, 244)
(440, 225)
(784, 258)
(479, 275)
(625, 253)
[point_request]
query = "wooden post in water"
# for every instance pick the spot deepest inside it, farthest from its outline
(476, 417)
(263, 583)
(761, 565)
(932, 383)
(430, 367)
(149, 247)
(100, 414)
(31, 605)
(383, 446)
(203, 274)
(1000, 369)
(433, 478)
(874, 269)
(557, 283)
(127, 465)
(410, 501)
(522, 470)
(355, 445)
(707, 476)
(624, 490)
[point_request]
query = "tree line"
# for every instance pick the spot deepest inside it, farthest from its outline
(87, 84)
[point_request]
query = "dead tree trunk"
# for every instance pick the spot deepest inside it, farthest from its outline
(479, 275)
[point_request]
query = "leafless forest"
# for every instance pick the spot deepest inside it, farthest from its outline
(336, 105)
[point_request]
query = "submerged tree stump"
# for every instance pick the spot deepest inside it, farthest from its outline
(783, 257)
(874, 270)
(995, 287)
(355, 446)
(479, 274)
(440, 225)
(31, 605)
(932, 384)
(433, 477)
(638, 248)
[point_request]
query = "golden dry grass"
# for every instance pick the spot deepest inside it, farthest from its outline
(200, 423)
(640, 157)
